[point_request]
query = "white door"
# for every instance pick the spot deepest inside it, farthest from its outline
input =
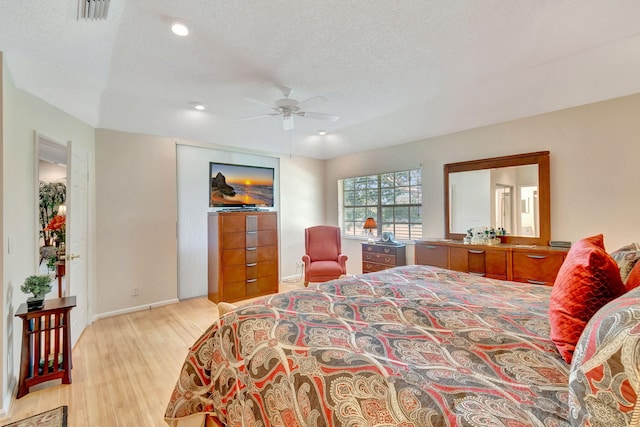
(77, 239)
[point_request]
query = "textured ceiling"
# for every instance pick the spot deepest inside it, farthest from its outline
(394, 71)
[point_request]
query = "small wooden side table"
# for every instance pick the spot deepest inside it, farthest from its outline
(46, 343)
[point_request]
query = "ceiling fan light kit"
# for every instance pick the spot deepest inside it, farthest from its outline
(288, 107)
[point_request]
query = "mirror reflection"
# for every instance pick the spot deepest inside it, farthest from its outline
(505, 197)
(52, 192)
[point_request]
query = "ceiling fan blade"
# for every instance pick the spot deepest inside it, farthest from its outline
(257, 101)
(319, 116)
(258, 117)
(315, 100)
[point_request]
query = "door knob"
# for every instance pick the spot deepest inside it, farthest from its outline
(73, 256)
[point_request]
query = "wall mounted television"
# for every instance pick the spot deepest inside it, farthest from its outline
(232, 185)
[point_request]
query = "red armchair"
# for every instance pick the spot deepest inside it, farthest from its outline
(324, 259)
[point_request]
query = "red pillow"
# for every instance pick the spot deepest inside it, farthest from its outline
(588, 279)
(633, 280)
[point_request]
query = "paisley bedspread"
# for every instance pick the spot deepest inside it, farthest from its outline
(410, 346)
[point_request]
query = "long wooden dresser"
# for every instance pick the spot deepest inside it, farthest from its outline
(537, 265)
(243, 255)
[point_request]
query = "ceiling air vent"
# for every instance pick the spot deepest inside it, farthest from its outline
(93, 9)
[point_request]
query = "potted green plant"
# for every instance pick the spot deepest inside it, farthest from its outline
(38, 286)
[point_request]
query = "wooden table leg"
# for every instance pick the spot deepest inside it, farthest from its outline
(24, 364)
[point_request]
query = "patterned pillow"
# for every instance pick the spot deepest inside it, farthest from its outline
(604, 381)
(626, 257)
(633, 281)
(588, 279)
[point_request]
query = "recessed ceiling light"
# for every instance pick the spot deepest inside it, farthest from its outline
(199, 107)
(179, 28)
(322, 133)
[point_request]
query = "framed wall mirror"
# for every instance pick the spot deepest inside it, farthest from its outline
(510, 192)
(51, 194)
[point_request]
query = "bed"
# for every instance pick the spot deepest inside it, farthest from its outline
(409, 346)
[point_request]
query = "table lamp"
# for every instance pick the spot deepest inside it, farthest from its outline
(370, 224)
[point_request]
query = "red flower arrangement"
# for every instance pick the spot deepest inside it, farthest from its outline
(57, 226)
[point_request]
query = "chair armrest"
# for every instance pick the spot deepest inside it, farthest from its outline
(306, 259)
(342, 260)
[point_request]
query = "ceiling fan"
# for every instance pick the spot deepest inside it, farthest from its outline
(289, 107)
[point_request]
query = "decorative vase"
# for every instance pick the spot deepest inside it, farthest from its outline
(35, 303)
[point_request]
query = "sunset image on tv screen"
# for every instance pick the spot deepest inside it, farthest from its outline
(237, 185)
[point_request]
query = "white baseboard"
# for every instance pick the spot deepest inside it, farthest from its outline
(134, 309)
(8, 401)
(292, 278)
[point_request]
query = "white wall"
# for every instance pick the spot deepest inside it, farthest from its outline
(302, 193)
(136, 220)
(594, 152)
(22, 115)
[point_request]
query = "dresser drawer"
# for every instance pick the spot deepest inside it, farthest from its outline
(239, 290)
(376, 257)
(232, 257)
(264, 253)
(233, 223)
(435, 255)
(268, 238)
(490, 263)
(261, 286)
(234, 240)
(380, 249)
(370, 267)
(536, 268)
(386, 259)
(267, 222)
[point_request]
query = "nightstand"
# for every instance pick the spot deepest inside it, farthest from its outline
(378, 256)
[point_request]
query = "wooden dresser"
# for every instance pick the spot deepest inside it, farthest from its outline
(243, 255)
(538, 265)
(376, 256)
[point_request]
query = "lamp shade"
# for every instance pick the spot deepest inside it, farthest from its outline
(370, 223)
(62, 210)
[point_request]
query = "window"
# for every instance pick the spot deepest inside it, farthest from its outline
(393, 199)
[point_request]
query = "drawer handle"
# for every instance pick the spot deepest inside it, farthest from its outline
(537, 256)
(386, 250)
(471, 251)
(251, 280)
(252, 232)
(387, 259)
(367, 256)
(369, 248)
(252, 249)
(368, 266)
(536, 282)
(429, 246)
(476, 274)
(253, 264)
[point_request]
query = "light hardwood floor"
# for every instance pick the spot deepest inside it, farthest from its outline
(125, 367)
